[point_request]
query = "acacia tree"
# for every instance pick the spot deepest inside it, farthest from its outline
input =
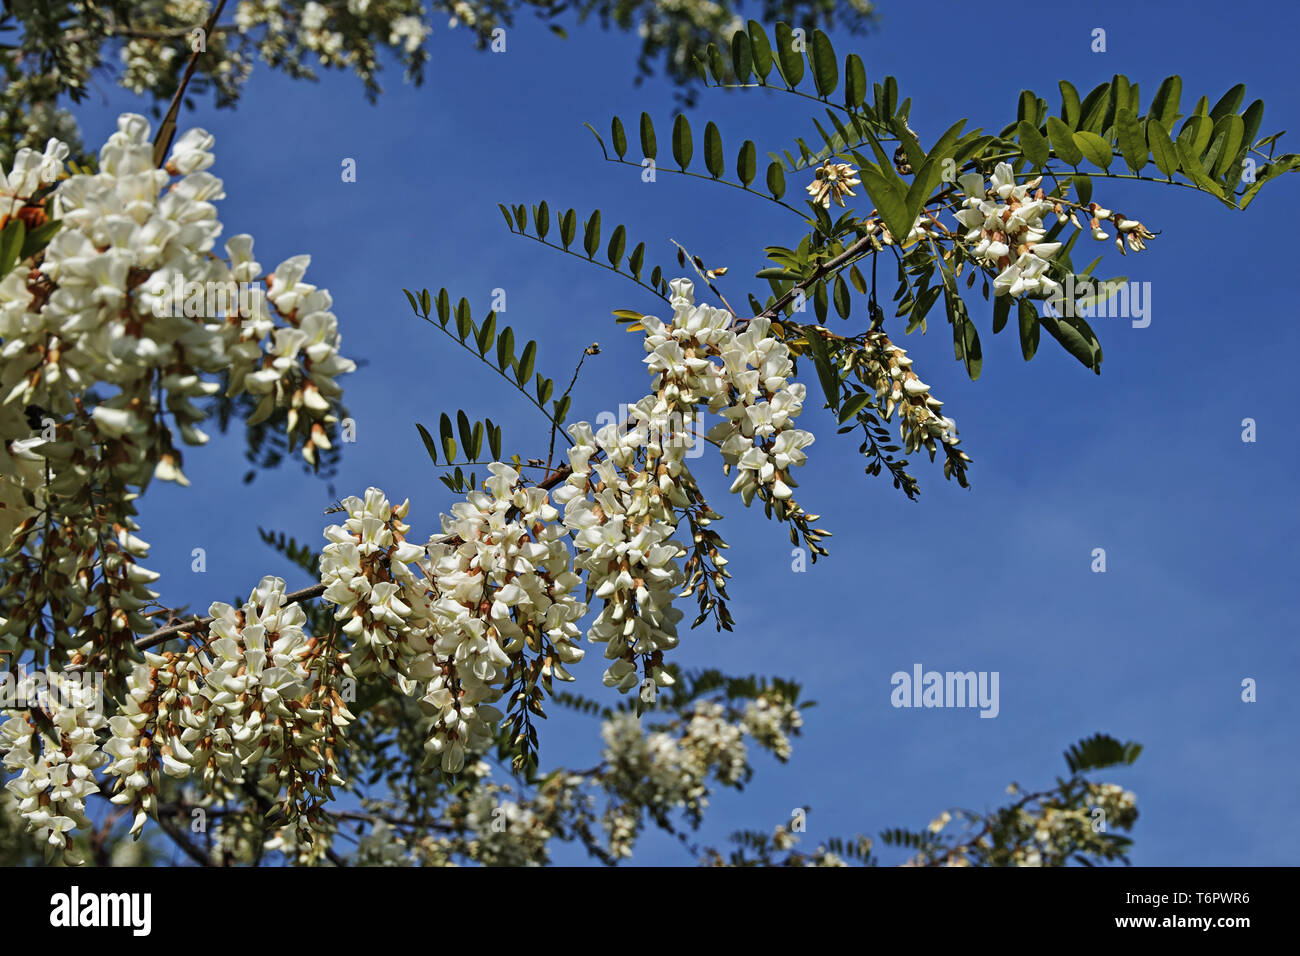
(356, 720)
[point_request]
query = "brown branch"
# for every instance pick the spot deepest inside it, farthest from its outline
(167, 131)
(163, 634)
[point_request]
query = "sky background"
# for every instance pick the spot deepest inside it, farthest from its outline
(1146, 461)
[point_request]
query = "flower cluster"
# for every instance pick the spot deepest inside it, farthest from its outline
(364, 570)
(497, 584)
(52, 747)
(1004, 222)
(664, 771)
(113, 332)
(769, 719)
(743, 377)
(503, 585)
(886, 368)
(621, 513)
(832, 181)
(259, 704)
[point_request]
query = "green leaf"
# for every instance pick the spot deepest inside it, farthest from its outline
(826, 76)
(1033, 145)
(429, 446)
(889, 199)
(494, 440)
(1076, 338)
(1093, 109)
(761, 49)
(561, 408)
(524, 370)
(747, 162)
(444, 306)
(1001, 311)
(1165, 106)
(855, 81)
(448, 443)
(789, 61)
(38, 238)
(1194, 170)
(1063, 141)
(1230, 102)
(425, 302)
(742, 58)
(713, 158)
(466, 435)
(591, 234)
(682, 147)
(544, 388)
(854, 404)
(506, 348)
(1194, 137)
(1132, 142)
(510, 223)
(776, 180)
(618, 136)
(1028, 329)
(1096, 149)
(617, 242)
(476, 441)
(649, 148)
(487, 333)
(1070, 111)
(1251, 118)
(1228, 136)
(636, 260)
(464, 324)
(843, 301)
(930, 169)
(11, 243)
(542, 220)
(1162, 148)
(568, 226)
(830, 382)
(1099, 752)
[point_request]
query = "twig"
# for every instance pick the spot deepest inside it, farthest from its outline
(167, 131)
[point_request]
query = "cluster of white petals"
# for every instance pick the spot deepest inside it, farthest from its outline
(112, 333)
(664, 771)
(886, 368)
(744, 377)
(254, 706)
(497, 584)
(54, 761)
(1004, 225)
(769, 719)
(621, 514)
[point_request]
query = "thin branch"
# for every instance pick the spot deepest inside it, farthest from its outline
(167, 131)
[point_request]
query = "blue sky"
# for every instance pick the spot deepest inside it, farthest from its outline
(1145, 461)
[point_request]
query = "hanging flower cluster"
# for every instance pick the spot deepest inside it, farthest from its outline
(113, 331)
(621, 512)
(496, 584)
(743, 377)
(666, 771)
(1005, 224)
(260, 703)
(52, 749)
(770, 719)
(886, 369)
